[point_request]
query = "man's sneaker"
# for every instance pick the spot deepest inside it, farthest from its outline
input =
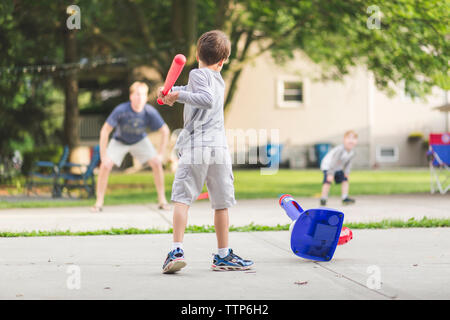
(323, 202)
(231, 262)
(174, 261)
(348, 201)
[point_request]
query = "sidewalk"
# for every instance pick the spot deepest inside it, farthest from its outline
(408, 263)
(263, 212)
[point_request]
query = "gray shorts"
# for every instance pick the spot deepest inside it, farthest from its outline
(200, 165)
(142, 151)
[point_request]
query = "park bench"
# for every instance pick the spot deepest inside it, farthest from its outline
(46, 173)
(85, 181)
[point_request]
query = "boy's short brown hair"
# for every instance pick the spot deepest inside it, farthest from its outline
(350, 132)
(138, 84)
(213, 46)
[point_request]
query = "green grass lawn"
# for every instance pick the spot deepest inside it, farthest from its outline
(250, 184)
(384, 224)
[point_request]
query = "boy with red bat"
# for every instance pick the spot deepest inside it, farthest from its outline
(203, 152)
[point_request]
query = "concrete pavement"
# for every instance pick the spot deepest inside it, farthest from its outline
(263, 211)
(406, 263)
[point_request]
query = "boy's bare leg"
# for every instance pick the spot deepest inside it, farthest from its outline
(102, 183)
(180, 217)
(345, 188)
(175, 259)
(326, 186)
(221, 223)
(325, 190)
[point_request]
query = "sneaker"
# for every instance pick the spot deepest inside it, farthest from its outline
(231, 262)
(174, 261)
(323, 202)
(348, 201)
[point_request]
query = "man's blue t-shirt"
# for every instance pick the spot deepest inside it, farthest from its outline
(130, 125)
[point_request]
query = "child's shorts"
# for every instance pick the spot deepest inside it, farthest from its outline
(339, 176)
(199, 165)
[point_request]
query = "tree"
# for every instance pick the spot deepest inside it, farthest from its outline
(410, 44)
(24, 99)
(71, 111)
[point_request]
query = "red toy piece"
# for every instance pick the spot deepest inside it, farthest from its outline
(345, 236)
(203, 195)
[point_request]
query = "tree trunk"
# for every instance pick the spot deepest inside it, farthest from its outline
(71, 112)
(222, 15)
(191, 30)
(177, 23)
(184, 33)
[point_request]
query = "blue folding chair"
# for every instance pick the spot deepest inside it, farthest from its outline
(46, 173)
(439, 161)
(84, 181)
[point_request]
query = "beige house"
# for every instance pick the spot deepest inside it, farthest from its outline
(306, 111)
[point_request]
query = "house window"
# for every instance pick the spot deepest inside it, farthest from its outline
(410, 92)
(290, 93)
(387, 153)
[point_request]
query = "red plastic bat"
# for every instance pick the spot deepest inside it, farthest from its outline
(175, 69)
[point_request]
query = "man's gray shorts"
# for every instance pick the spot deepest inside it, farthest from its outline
(142, 151)
(200, 165)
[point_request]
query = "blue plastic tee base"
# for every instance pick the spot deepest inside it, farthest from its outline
(315, 234)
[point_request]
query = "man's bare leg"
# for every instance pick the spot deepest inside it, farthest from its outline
(158, 173)
(102, 184)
